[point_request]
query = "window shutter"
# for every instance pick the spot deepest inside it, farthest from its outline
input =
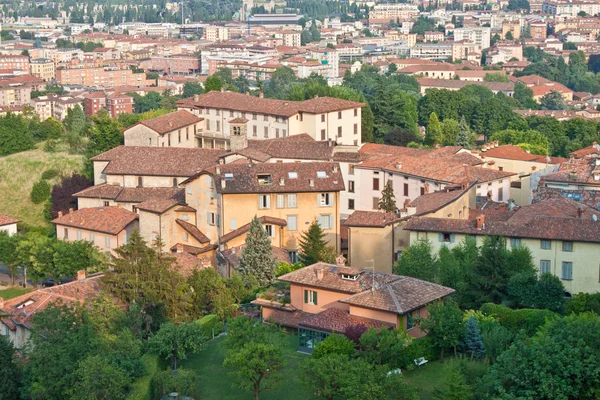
(280, 201)
(260, 203)
(217, 219)
(305, 296)
(452, 238)
(441, 237)
(314, 298)
(208, 218)
(331, 222)
(318, 199)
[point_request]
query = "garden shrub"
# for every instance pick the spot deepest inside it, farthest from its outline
(528, 319)
(40, 192)
(143, 386)
(208, 323)
(49, 174)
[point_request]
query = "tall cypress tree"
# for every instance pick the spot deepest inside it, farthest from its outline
(257, 258)
(387, 202)
(464, 135)
(312, 244)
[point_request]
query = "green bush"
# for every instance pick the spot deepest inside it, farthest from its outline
(50, 146)
(143, 386)
(420, 347)
(49, 174)
(208, 323)
(183, 381)
(528, 319)
(40, 192)
(583, 302)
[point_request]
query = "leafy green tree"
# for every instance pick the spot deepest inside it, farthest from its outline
(464, 135)
(192, 88)
(495, 77)
(325, 376)
(104, 134)
(387, 202)
(8, 253)
(34, 252)
(312, 244)
(257, 259)
(242, 84)
(335, 344)
(75, 120)
(70, 257)
(553, 101)
(14, 135)
(524, 95)
(418, 262)
(99, 379)
(433, 134)
(450, 130)
(385, 346)
(255, 367)
(400, 137)
(455, 386)
(10, 370)
(40, 192)
(175, 342)
(241, 331)
(496, 340)
(473, 344)
(211, 294)
(444, 326)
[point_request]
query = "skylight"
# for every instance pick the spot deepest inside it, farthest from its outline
(321, 174)
(228, 175)
(293, 175)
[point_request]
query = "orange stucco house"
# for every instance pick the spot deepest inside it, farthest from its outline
(327, 298)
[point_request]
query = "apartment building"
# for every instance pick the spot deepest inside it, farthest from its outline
(101, 77)
(15, 95)
(570, 8)
(384, 13)
(290, 38)
(322, 118)
(176, 129)
(43, 68)
(94, 102)
(478, 35)
(119, 103)
(214, 33)
(179, 64)
(14, 62)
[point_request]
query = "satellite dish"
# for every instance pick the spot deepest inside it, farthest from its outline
(594, 217)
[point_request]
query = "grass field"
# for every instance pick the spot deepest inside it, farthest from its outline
(18, 173)
(13, 292)
(215, 383)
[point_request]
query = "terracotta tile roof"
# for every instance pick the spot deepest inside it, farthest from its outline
(511, 152)
(586, 151)
(21, 309)
(185, 209)
(233, 254)
(130, 195)
(432, 202)
(370, 219)
(456, 84)
(375, 150)
(6, 220)
(332, 278)
(310, 177)
(193, 230)
(590, 198)
(193, 249)
(336, 320)
(186, 263)
(245, 228)
(158, 206)
(575, 171)
(158, 161)
(288, 319)
(401, 296)
(111, 220)
(286, 108)
(169, 122)
(292, 147)
(555, 219)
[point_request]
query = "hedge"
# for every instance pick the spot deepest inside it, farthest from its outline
(143, 386)
(208, 323)
(528, 319)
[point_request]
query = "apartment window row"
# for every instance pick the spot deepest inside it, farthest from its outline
(326, 221)
(310, 297)
(92, 237)
(264, 201)
(567, 246)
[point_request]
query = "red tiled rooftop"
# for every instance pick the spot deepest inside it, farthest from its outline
(6, 220)
(336, 320)
(111, 220)
(170, 122)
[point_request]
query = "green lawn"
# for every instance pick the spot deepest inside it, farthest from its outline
(215, 383)
(13, 292)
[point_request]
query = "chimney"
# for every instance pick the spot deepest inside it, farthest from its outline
(60, 214)
(70, 210)
(334, 169)
(533, 168)
(580, 212)
(81, 274)
(261, 95)
(281, 181)
(179, 248)
(223, 183)
(340, 260)
(222, 90)
(196, 98)
(218, 171)
(398, 166)
(312, 182)
(319, 273)
(480, 221)
(406, 203)
(411, 211)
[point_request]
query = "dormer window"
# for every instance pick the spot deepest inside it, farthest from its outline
(237, 131)
(293, 175)
(321, 174)
(25, 304)
(350, 277)
(228, 175)
(264, 180)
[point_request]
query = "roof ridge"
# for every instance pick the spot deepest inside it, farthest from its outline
(393, 295)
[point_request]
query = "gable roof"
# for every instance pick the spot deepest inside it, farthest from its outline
(6, 220)
(245, 228)
(169, 122)
(157, 205)
(193, 230)
(130, 194)
(111, 220)
(337, 320)
(301, 146)
(158, 161)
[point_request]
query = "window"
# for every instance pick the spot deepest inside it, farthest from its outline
(266, 118)
(284, 132)
(218, 126)
(567, 246)
(375, 203)
(446, 237)
(270, 230)
(323, 136)
(322, 117)
(500, 194)
(78, 235)
(324, 200)
(264, 201)
(544, 266)
(375, 183)
(187, 133)
(567, 270)
(65, 233)
(356, 112)
(264, 179)
(280, 201)
(185, 236)
(321, 174)
(106, 204)
(339, 131)
(351, 186)
(406, 189)
(276, 132)
(92, 237)
(310, 297)
(107, 241)
(266, 132)
(254, 117)
(169, 139)
(350, 169)
(179, 136)
(409, 321)
(184, 217)
(292, 222)
(546, 244)
(422, 191)
(211, 218)
(293, 175)
(140, 181)
(254, 130)
(325, 221)
(356, 129)
(350, 204)
(232, 224)
(339, 115)
(189, 189)
(293, 256)
(515, 242)
(291, 200)
(175, 182)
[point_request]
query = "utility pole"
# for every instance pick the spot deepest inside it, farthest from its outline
(182, 13)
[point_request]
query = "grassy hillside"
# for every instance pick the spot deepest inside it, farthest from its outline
(18, 173)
